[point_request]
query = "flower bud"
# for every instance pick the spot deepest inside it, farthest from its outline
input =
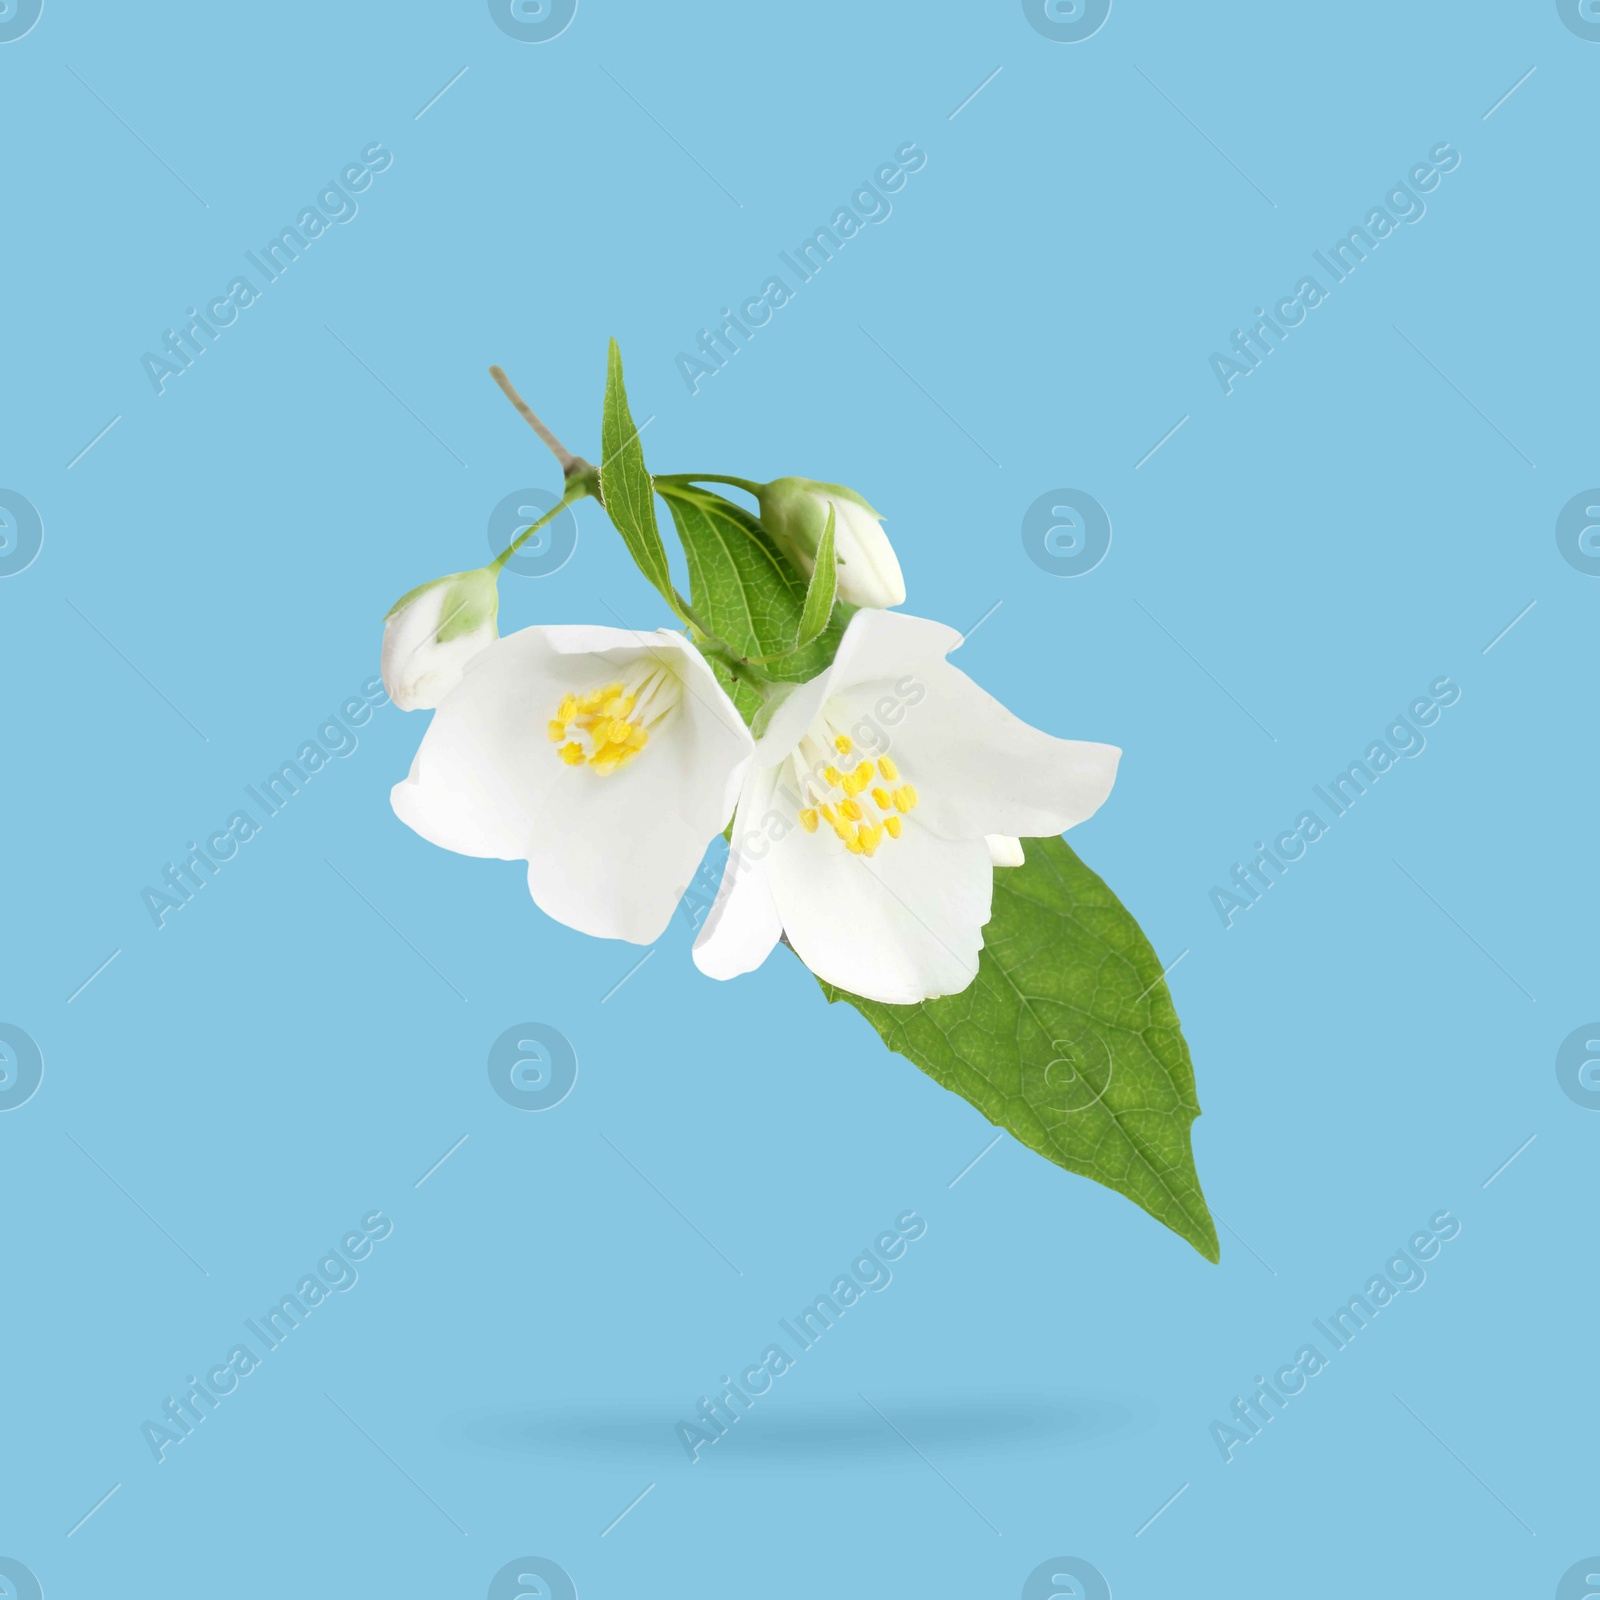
(432, 633)
(795, 512)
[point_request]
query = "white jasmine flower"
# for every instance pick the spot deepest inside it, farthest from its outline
(606, 759)
(879, 868)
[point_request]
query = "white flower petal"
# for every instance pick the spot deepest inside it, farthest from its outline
(901, 926)
(882, 654)
(887, 646)
(977, 768)
(980, 770)
(743, 925)
(612, 856)
(484, 764)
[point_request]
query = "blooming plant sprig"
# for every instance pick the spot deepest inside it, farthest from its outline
(891, 821)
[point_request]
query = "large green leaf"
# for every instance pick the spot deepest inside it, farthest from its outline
(1067, 1039)
(625, 485)
(744, 588)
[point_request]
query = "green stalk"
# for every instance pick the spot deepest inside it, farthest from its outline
(577, 488)
(692, 478)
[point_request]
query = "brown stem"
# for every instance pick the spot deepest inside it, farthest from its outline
(571, 465)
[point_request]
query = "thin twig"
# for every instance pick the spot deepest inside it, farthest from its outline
(571, 465)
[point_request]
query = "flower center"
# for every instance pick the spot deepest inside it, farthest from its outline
(864, 802)
(606, 728)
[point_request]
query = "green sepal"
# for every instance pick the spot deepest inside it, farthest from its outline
(791, 511)
(821, 590)
(471, 599)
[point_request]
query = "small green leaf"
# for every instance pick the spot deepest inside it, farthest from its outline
(625, 486)
(820, 591)
(1068, 1040)
(744, 588)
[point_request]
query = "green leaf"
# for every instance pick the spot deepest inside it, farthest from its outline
(820, 591)
(1067, 1039)
(743, 587)
(625, 487)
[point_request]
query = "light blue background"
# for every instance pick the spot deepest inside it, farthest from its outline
(279, 1059)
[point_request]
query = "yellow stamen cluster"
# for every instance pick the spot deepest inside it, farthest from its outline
(858, 831)
(602, 717)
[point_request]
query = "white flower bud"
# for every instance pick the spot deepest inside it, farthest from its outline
(795, 511)
(432, 633)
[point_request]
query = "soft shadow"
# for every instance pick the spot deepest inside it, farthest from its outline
(780, 1433)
